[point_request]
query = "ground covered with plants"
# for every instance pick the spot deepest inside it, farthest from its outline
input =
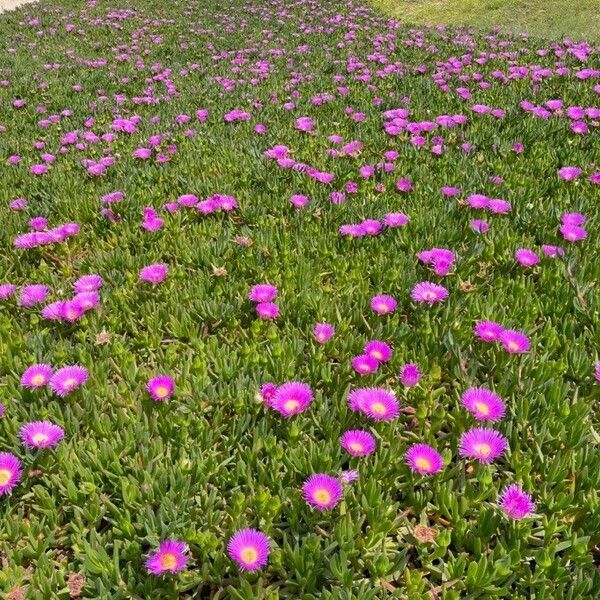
(296, 301)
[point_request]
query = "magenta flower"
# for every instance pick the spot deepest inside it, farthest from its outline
(358, 442)
(323, 332)
(484, 445)
(161, 387)
(410, 375)
(299, 200)
(424, 459)
(304, 124)
(267, 310)
(569, 173)
(36, 376)
(169, 558)
(526, 257)
(516, 503)
(33, 294)
(70, 312)
(515, 342)
(249, 548)
(86, 300)
(7, 290)
(478, 201)
(552, 251)
(155, 273)
(488, 331)
(499, 206)
(41, 434)
(322, 491)
(573, 233)
(67, 379)
(377, 403)
(479, 226)
(383, 304)
(267, 392)
(378, 350)
(292, 398)
(573, 219)
(484, 404)
(88, 283)
(53, 311)
(365, 364)
(262, 292)
(441, 259)
(429, 293)
(404, 185)
(395, 219)
(10, 472)
(597, 372)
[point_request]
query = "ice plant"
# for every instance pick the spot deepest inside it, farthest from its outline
(365, 364)
(249, 548)
(292, 398)
(262, 292)
(526, 257)
(267, 310)
(322, 491)
(267, 392)
(358, 442)
(514, 342)
(488, 331)
(10, 472)
(484, 445)
(484, 404)
(170, 557)
(33, 294)
(323, 332)
(430, 293)
(424, 459)
(378, 350)
(67, 379)
(383, 304)
(516, 503)
(155, 273)
(377, 403)
(36, 376)
(161, 387)
(410, 374)
(41, 434)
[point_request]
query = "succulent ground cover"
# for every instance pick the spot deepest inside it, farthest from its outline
(296, 302)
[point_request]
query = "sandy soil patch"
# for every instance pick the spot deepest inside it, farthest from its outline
(11, 4)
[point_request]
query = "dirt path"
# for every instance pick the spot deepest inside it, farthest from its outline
(11, 4)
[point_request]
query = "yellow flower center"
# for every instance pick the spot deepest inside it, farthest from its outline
(378, 408)
(40, 438)
(249, 555)
(70, 383)
(322, 497)
(482, 407)
(356, 446)
(376, 354)
(382, 307)
(513, 346)
(5, 476)
(423, 464)
(290, 405)
(429, 295)
(168, 561)
(38, 379)
(483, 449)
(162, 391)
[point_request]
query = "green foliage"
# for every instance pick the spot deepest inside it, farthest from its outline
(212, 460)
